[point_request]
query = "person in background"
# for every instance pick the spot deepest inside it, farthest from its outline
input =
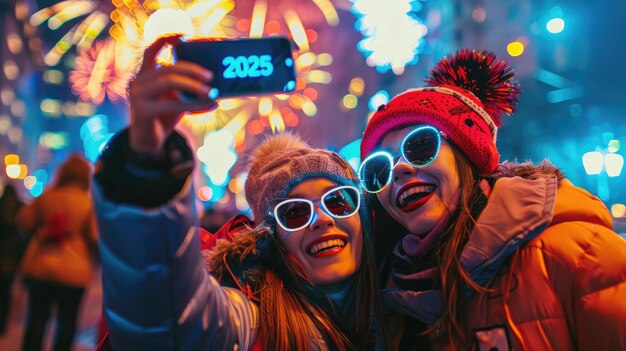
(11, 249)
(300, 277)
(59, 261)
(480, 254)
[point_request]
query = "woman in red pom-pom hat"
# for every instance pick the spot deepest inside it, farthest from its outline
(477, 254)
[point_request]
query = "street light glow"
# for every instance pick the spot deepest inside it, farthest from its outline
(593, 161)
(613, 164)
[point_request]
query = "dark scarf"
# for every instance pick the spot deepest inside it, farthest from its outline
(411, 290)
(413, 267)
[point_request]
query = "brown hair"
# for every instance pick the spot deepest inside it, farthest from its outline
(285, 297)
(447, 250)
(453, 277)
(74, 170)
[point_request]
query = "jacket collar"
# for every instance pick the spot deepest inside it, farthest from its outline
(518, 210)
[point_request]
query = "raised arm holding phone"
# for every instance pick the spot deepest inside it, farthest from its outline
(300, 276)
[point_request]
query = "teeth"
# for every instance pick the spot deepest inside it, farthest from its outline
(329, 244)
(416, 189)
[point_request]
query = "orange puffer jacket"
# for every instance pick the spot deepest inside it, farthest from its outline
(564, 290)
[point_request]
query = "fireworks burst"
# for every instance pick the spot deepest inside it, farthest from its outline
(273, 12)
(125, 20)
(110, 36)
(138, 24)
(82, 34)
(98, 73)
(104, 69)
(128, 25)
(277, 112)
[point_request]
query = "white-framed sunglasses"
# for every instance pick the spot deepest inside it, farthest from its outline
(295, 213)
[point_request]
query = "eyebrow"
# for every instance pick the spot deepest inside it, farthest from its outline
(292, 196)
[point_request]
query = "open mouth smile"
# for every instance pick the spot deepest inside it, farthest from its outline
(326, 246)
(413, 196)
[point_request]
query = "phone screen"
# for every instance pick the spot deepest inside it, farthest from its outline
(243, 66)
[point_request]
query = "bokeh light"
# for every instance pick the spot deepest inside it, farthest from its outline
(53, 76)
(54, 140)
(515, 48)
(593, 161)
(479, 15)
(381, 97)
(37, 189)
(5, 124)
(16, 171)
(7, 95)
(205, 193)
(614, 145)
(14, 43)
(613, 164)
(618, 210)
(11, 159)
(11, 69)
(13, 171)
(95, 135)
(350, 101)
(357, 85)
(555, 25)
(29, 182)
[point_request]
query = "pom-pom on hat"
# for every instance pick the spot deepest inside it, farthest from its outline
(465, 97)
(282, 161)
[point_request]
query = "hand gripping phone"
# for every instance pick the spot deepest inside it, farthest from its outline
(250, 66)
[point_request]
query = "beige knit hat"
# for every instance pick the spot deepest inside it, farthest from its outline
(282, 161)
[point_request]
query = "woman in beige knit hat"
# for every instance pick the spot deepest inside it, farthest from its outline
(298, 277)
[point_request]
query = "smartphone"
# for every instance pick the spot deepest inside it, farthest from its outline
(250, 66)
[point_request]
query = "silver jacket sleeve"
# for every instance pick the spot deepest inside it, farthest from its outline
(157, 292)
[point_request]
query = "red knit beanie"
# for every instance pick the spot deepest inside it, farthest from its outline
(465, 98)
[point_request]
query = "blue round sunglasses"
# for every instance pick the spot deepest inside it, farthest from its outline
(419, 148)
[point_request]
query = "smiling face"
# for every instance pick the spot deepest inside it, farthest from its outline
(329, 249)
(419, 197)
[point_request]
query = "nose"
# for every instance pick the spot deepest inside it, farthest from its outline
(320, 219)
(402, 170)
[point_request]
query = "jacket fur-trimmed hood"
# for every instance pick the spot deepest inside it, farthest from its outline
(240, 256)
(527, 170)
